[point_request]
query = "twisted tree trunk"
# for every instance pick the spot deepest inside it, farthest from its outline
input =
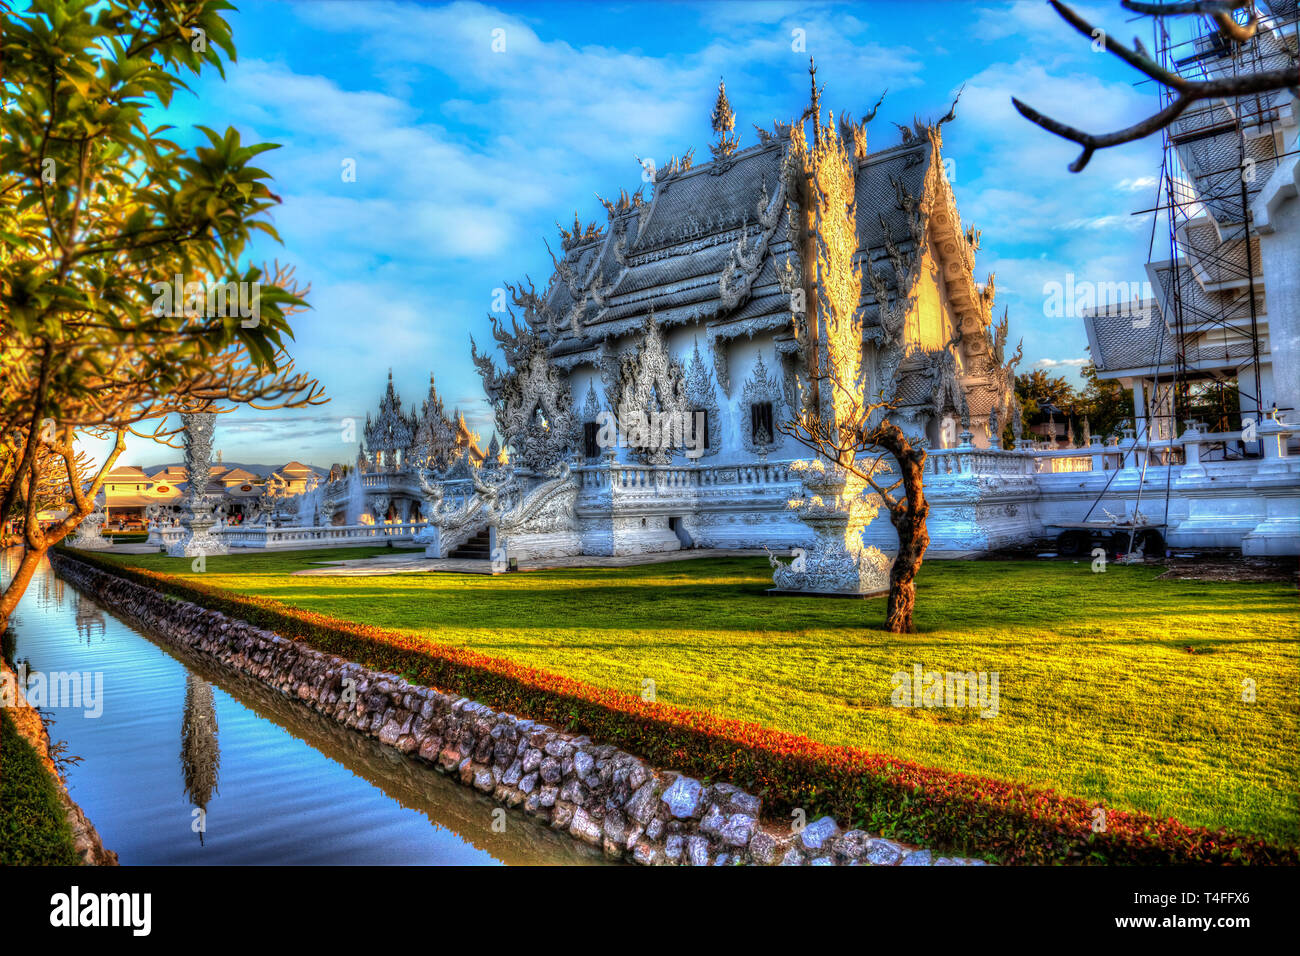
(908, 516)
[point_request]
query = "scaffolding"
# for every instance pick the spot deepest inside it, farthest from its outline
(1216, 158)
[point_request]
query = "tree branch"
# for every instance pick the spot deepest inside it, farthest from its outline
(1189, 91)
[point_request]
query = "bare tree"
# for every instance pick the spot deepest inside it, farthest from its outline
(871, 447)
(833, 415)
(1189, 91)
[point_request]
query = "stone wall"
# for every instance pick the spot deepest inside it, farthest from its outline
(595, 792)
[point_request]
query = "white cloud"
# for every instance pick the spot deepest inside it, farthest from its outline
(1140, 183)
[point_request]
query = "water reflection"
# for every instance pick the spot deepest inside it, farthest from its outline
(200, 752)
(261, 778)
(89, 618)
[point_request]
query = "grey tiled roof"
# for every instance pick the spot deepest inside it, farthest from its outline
(680, 245)
(1118, 345)
(699, 203)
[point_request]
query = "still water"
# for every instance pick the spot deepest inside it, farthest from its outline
(180, 741)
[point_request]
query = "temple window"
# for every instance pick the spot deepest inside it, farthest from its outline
(590, 444)
(760, 423)
(700, 420)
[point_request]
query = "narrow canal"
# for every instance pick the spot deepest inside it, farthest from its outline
(189, 764)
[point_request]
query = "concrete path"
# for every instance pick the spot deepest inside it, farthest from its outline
(419, 564)
(414, 562)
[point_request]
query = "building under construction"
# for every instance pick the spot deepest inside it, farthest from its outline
(1218, 342)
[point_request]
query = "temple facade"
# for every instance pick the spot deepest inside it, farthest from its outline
(655, 374)
(644, 398)
(397, 449)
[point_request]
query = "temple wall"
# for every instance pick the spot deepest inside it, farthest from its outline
(741, 356)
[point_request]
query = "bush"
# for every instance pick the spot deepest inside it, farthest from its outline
(34, 828)
(942, 809)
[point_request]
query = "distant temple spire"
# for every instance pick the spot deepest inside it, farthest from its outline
(723, 120)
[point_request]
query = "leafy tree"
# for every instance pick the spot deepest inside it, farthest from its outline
(100, 215)
(1105, 402)
(1036, 389)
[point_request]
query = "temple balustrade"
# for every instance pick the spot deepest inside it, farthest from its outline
(254, 536)
(981, 499)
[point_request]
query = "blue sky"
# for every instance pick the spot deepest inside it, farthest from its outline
(466, 158)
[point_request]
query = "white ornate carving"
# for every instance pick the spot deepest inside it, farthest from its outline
(746, 258)
(835, 506)
(651, 382)
(588, 414)
(392, 432)
(89, 535)
(534, 410)
(197, 505)
(762, 386)
(701, 396)
(435, 443)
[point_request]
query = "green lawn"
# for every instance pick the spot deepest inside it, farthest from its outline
(1112, 686)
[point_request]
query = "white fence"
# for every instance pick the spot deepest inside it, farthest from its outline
(258, 536)
(252, 536)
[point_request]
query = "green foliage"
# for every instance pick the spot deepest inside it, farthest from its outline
(1216, 405)
(120, 251)
(98, 207)
(1105, 402)
(34, 829)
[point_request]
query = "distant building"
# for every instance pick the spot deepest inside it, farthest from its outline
(129, 490)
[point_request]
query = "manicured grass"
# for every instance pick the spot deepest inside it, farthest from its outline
(1114, 686)
(33, 828)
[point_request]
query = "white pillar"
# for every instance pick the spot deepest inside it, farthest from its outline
(1140, 408)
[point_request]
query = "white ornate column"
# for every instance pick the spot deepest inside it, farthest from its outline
(197, 507)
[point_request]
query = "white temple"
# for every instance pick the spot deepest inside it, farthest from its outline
(639, 397)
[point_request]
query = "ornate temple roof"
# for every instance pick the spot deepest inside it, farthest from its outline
(428, 436)
(709, 244)
(669, 255)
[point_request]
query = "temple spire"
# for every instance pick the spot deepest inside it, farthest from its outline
(815, 101)
(723, 120)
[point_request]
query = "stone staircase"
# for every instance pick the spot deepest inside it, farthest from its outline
(477, 548)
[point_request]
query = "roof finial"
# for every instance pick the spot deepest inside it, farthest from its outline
(815, 106)
(724, 121)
